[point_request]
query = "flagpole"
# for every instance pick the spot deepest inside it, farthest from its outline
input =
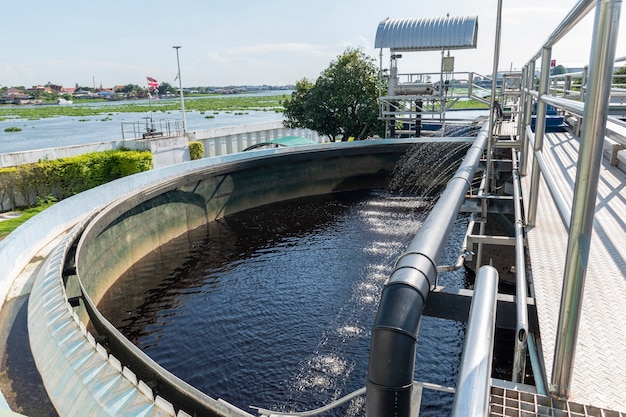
(153, 86)
(180, 83)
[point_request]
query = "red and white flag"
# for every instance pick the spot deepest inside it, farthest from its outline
(153, 85)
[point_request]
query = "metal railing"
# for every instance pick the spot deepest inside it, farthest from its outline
(415, 98)
(594, 120)
(418, 388)
(150, 128)
(474, 381)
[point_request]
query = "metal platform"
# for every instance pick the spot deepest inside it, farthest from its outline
(512, 403)
(599, 376)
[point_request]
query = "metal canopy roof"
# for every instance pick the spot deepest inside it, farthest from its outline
(427, 34)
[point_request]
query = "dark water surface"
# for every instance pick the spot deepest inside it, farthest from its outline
(273, 307)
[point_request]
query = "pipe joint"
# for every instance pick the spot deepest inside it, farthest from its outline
(411, 277)
(418, 262)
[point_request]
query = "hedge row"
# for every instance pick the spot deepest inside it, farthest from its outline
(26, 185)
(196, 150)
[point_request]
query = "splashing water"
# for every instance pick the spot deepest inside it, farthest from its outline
(426, 167)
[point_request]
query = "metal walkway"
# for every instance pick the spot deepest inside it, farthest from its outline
(599, 376)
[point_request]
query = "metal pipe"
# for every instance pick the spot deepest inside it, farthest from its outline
(606, 28)
(540, 127)
(535, 363)
(472, 388)
(311, 413)
(521, 290)
(483, 218)
(394, 335)
(461, 258)
(575, 107)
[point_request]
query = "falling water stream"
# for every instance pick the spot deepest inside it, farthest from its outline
(273, 307)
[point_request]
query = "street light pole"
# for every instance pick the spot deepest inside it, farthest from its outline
(180, 84)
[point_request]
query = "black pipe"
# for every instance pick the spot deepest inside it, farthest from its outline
(394, 335)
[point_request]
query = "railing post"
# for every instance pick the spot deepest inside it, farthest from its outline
(494, 86)
(528, 106)
(606, 28)
(583, 83)
(540, 126)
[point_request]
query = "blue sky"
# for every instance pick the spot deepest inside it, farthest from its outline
(230, 42)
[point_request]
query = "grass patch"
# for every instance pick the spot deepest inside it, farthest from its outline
(7, 226)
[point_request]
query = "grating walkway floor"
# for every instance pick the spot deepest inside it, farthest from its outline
(512, 403)
(599, 377)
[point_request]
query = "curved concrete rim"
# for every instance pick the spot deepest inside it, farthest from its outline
(55, 329)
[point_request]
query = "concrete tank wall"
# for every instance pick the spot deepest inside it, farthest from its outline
(122, 221)
(129, 230)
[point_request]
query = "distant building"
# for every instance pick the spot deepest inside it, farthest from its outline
(84, 94)
(55, 87)
(17, 96)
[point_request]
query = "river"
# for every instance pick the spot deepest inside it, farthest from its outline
(67, 131)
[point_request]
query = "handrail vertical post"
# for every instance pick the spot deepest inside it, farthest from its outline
(528, 105)
(606, 28)
(540, 126)
(583, 83)
(494, 86)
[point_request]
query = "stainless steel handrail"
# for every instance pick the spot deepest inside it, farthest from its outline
(580, 222)
(606, 28)
(473, 385)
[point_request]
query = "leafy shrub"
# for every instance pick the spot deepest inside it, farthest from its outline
(57, 179)
(196, 150)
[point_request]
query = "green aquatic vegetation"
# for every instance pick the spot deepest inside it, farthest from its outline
(203, 104)
(13, 129)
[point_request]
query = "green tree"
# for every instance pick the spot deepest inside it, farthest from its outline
(297, 107)
(620, 81)
(165, 88)
(343, 102)
(131, 90)
(558, 70)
